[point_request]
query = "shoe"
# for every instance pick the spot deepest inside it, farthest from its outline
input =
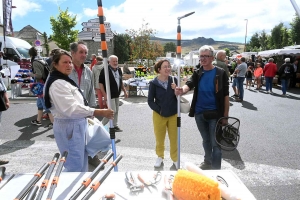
(49, 126)
(268, 92)
(94, 161)
(284, 95)
(205, 166)
(271, 92)
(239, 100)
(36, 122)
(175, 164)
(159, 162)
(45, 117)
(3, 162)
(117, 129)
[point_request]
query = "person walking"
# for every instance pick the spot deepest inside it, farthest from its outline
(270, 71)
(38, 74)
(162, 100)
(240, 76)
(210, 102)
(116, 85)
(285, 73)
(70, 109)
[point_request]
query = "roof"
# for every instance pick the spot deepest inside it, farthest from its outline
(277, 52)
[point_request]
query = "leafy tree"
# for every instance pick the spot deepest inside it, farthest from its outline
(122, 47)
(263, 40)
(141, 45)
(157, 50)
(286, 40)
(254, 41)
(46, 45)
(277, 36)
(62, 27)
(227, 52)
(169, 47)
(295, 33)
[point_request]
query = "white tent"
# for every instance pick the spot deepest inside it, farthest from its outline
(278, 52)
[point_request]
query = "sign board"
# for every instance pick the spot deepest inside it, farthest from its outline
(37, 43)
(95, 29)
(107, 35)
(95, 24)
(107, 32)
(97, 19)
(39, 49)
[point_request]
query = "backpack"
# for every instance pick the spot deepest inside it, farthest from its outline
(46, 69)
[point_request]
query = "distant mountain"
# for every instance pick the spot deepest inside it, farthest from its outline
(195, 44)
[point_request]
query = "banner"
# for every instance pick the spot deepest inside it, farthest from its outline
(7, 24)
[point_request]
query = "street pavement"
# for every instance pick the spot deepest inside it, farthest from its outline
(266, 160)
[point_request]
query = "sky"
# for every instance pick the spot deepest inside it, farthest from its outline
(221, 20)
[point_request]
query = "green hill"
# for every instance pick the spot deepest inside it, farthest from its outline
(195, 44)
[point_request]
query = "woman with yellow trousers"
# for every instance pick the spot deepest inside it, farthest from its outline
(162, 100)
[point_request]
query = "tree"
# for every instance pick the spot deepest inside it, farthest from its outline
(122, 47)
(254, 41)
(286, 40)
(141, 45)
(169, 47)
(46, 45)
(263, 40)
(157, 50)
(276, 36)
(227, 52)
(295, 33)
(62, 27)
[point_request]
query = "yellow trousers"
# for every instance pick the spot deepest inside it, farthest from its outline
(161, 126)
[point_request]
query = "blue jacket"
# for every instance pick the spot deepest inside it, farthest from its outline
(160, 100)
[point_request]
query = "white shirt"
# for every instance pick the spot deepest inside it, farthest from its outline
(67, 102)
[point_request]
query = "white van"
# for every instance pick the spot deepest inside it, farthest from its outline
(16, 51)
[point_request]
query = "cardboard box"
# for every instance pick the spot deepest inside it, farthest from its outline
(132, 90)
(127, 76)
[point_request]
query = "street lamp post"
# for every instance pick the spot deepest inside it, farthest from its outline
(178, 52)
(245, 35)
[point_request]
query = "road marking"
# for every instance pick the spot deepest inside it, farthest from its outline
(34, 153)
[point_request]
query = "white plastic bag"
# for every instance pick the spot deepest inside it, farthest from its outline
(97, 137)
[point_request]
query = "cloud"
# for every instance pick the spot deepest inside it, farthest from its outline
(24, 7)
(220, 20)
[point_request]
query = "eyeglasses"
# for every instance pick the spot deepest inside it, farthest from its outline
(204, 56)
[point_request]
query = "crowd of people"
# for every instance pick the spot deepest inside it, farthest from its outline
(258, 73)
(70, 96)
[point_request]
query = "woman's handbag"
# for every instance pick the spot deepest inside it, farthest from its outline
(184, 105)
(2, 102)
(97, 137)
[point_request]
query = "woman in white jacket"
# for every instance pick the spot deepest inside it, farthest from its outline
(70, 109)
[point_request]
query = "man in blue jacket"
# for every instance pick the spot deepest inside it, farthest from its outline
(210, 102)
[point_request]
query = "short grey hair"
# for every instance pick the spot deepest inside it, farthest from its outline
(220, 52)
(287, 60)
(207, 48)
(112, 56)
(271, 60)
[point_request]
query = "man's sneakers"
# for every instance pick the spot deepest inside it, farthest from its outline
(117, 129)
(49, 125)
(159, 162)
(205, 166)
(36, 122)
(3, 162)
(239, 100)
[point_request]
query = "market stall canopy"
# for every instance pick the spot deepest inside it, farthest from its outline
(278, 52)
